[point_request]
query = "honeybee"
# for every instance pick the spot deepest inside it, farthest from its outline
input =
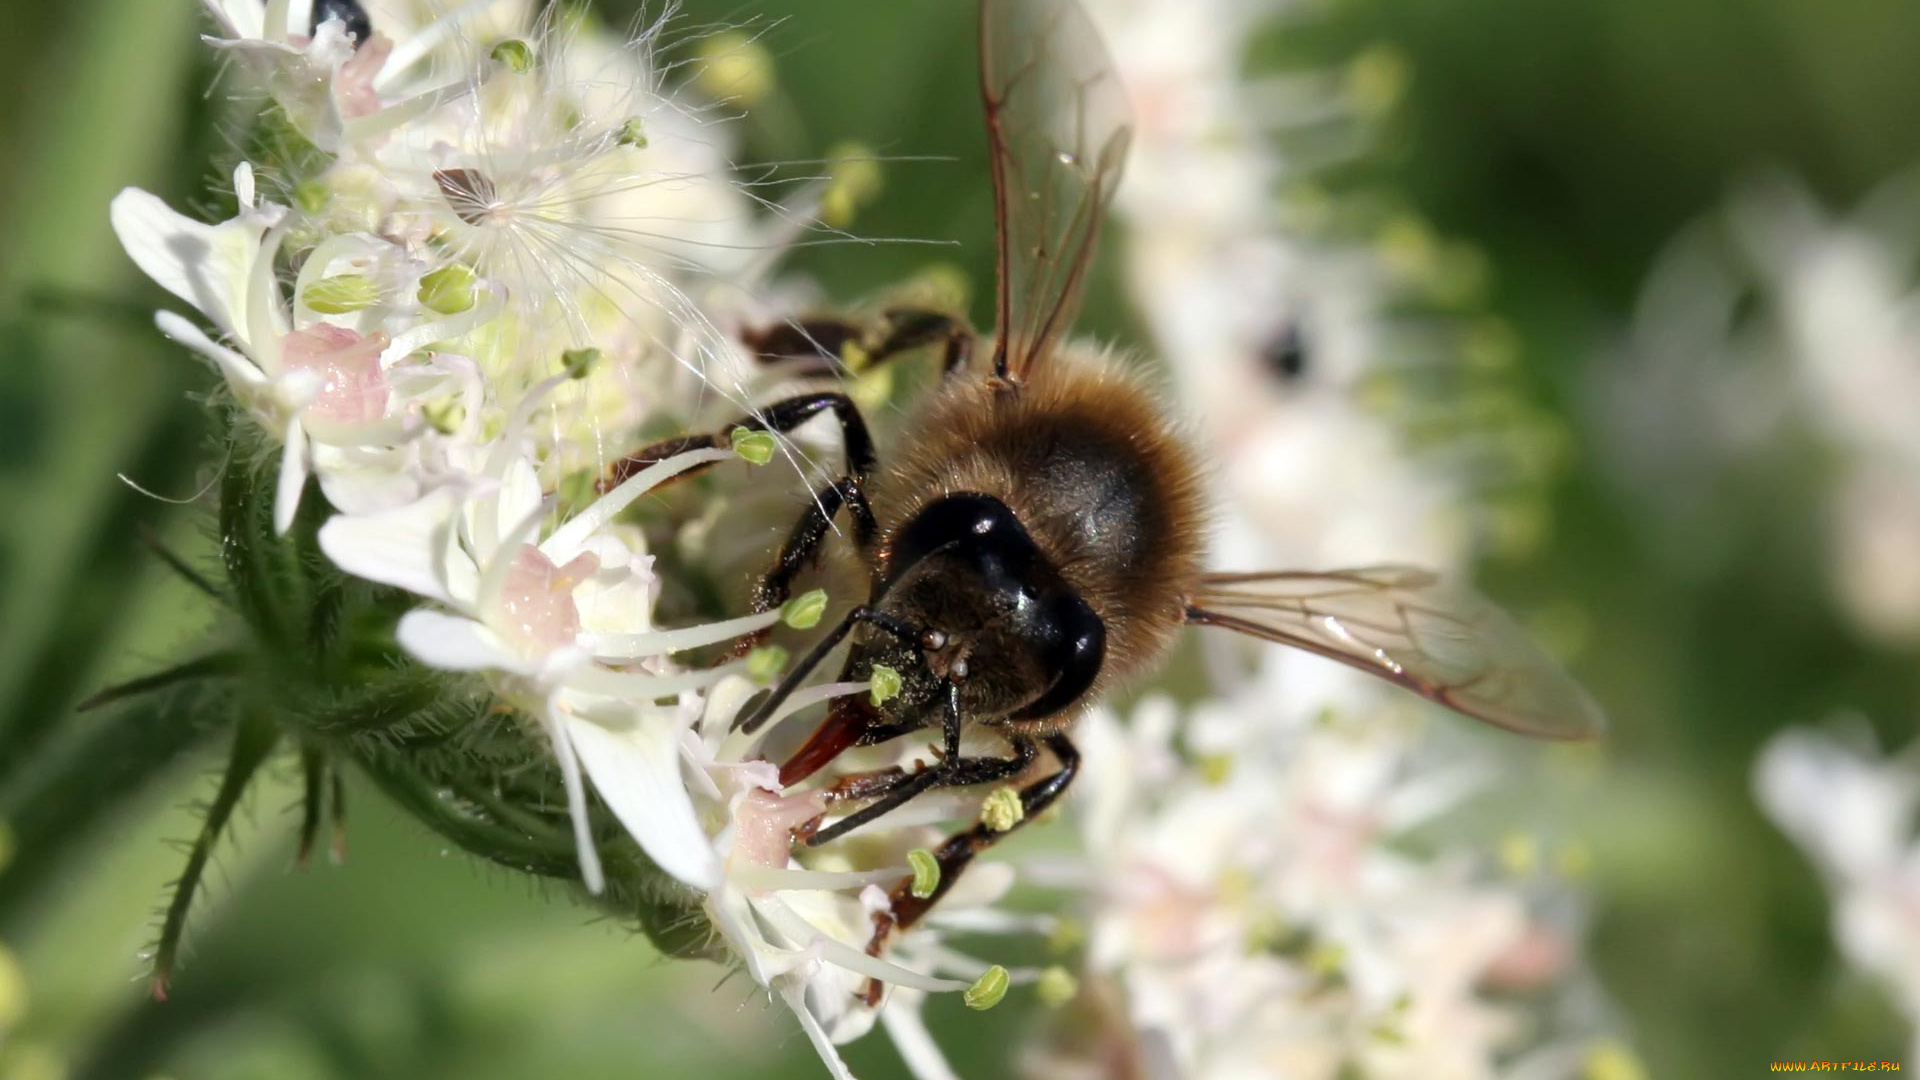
(1041, 538)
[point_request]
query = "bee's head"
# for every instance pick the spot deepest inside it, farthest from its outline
(964, 601)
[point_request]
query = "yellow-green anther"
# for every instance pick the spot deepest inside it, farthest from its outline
(854, 169)
(926, 873)
(341, 294)
(1215, 769)
(886, 684)
(988, 989)
(579, 363)
(803, 612)
(445, 416)
(1326, 960)
(1609, 1060)
(1519, 854)
(735, 68)
(755, 446)
(448, 290)
(837, 206)
(1002, 810)
(633, 133)
(1377, 79)
(311, 196)
(515, 54)
(1066, 936)
(1056, 987)
(766, 663)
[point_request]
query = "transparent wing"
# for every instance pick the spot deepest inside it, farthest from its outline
(1409, 627)
(1057, 130)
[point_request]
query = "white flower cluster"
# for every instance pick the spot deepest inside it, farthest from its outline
(1255, 905)
(1851, 809)
(1259, 910)
(500, 245)
(1774, 321)
(1309, 345)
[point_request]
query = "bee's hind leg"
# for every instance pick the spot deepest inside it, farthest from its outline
(905, 909)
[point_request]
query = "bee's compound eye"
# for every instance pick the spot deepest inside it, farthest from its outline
(358, 25)
(983, 526)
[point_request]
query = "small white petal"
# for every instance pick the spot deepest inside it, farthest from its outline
(794, 994)
(293, 477)
(243, 188)
(590, 871)
(519, 498)
(637, 772)
(241, 18)
(235, 368)
(910, 1036)
(574, 533)
(208, 266)
(454, 643)
(401, 546)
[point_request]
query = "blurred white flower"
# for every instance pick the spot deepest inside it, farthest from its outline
(1788, 321)
(1257, 912)
(1852, 811)
(1254, 910)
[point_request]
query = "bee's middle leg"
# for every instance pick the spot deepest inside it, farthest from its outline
(898, 331)
(782, 416)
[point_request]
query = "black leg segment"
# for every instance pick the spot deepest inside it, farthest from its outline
(782, 416)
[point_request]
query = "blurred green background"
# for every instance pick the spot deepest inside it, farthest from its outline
(1568, 141)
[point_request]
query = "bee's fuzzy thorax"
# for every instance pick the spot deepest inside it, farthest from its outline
(1095, 466)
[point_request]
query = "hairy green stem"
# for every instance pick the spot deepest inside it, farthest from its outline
(253, 740)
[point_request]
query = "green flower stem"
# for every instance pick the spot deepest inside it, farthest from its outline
(218, 664)
(455, 815)
(252, 742)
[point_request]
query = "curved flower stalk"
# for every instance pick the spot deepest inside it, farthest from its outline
(1851, 810)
